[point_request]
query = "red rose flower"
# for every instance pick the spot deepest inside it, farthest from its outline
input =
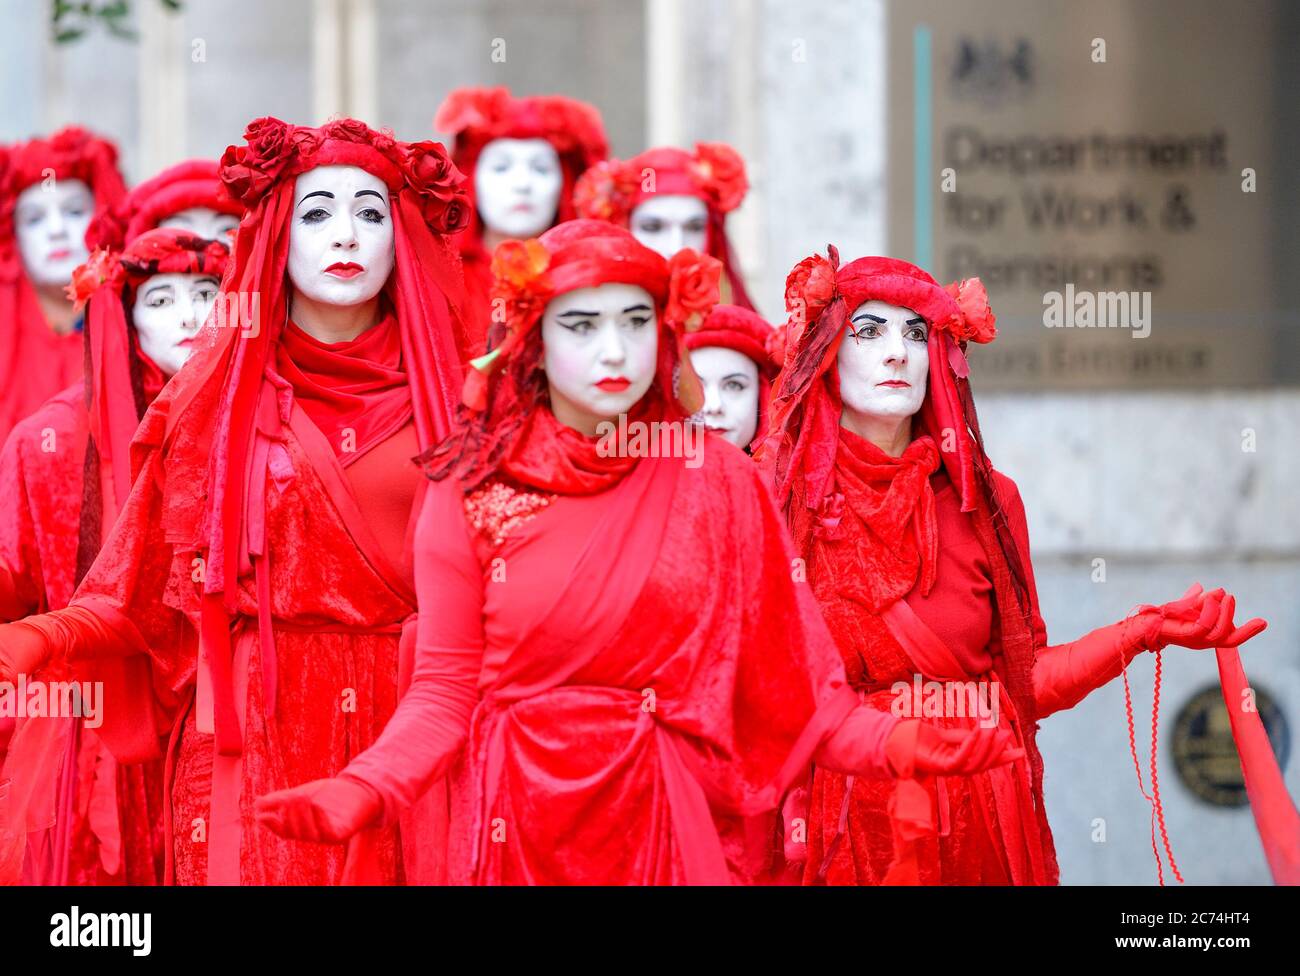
(693, 288)
(439, 185)
(101, 267)
(720, 172)
(520, 278)
(977, 322)
(267, 140)
(605, 192)
(809, 288)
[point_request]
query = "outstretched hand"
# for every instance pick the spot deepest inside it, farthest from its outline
(327, 811)
(1201, 620)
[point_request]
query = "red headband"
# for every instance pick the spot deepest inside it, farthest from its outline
(193, 183)
(275, 151)
(584, 254)
(162, 250)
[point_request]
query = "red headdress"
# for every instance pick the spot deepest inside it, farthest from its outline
(193, 183)
(714, 173)
(505, 385)
(476, 116)
(749, 334)
(227, 413)
(29, 354)
(121, 380)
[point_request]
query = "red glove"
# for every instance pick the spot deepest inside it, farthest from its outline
(1067, 673)
(327, 811)
(23, 649)
(916, 747)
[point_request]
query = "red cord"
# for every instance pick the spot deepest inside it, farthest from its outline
(1155, 785)
(1137, 767)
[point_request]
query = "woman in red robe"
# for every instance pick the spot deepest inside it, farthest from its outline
(244, 583)
(63, 474)
(609, 628)
(669, 199)
(917, 551)
(50, 190)
(494, 136)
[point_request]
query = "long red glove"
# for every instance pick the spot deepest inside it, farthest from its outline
(873, 743)
(1066, 674)
(71, 633)
(327, 811)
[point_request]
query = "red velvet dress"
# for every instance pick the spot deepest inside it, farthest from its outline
(623, 657)
(986, 832)
(338, 597)
(114, 834)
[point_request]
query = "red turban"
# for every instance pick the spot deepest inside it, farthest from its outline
(193, 183)
(714, 173)
(749, 334)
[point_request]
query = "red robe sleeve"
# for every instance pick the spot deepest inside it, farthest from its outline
(22, 586)
(432, 720)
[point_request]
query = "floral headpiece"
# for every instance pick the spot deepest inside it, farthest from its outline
(275, 150)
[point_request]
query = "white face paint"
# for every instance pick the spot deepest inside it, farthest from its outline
(341, 238)
(205, 222)
(600, 349)
(671, 222)
(730, 380)
(50, 224)
(517, 184)
(168, 310)
(884, 361)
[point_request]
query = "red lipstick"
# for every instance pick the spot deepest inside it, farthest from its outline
(344, 269)
(614, 384)
(901, 384)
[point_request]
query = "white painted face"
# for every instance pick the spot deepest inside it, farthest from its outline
(341, 239)
(884, 361)
(168, 310)
(207, 223)
(671, 222)
(730, 380)
(517, 184)
(600, 349)
(50, 222)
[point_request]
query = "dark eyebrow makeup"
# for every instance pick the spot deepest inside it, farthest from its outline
(316, 193)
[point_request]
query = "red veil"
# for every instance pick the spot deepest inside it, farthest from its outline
(714, 173)
(35, 364)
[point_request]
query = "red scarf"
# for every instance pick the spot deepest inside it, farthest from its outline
(554, 457)
(356, 392)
